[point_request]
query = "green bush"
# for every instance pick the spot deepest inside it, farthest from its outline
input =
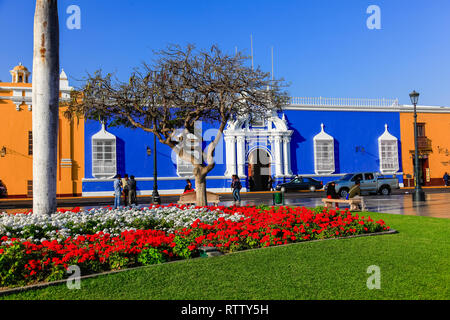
(181, 248)
(12, 265)
(150, 256)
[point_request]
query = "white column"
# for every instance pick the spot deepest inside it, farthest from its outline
(241, 157)
(230, 145)
(278, 157)
(287, 156)
(45, 106)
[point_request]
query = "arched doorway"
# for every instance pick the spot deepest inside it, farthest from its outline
(258, 170)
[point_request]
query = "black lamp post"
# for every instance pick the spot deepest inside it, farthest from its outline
(156, 199)
(418, 194)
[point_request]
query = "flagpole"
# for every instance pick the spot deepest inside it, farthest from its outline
(272, 64)
(251, 45)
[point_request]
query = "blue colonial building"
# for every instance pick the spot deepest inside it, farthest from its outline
(320, 138)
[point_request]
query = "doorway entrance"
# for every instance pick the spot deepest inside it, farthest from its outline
(424, 173)
(258, 170)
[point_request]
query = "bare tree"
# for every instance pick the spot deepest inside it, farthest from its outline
(45, 105)
(182, 86)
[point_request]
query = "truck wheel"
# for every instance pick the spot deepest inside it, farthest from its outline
(343, 192)
(385, 190)
(312, 188)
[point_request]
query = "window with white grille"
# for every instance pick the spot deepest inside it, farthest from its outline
(104, 160)
(388, 152)
(324, 156)
(324, 153)
(389, 157)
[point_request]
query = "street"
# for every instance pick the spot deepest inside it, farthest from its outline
(400, 202)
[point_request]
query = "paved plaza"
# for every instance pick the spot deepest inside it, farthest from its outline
(437, 204)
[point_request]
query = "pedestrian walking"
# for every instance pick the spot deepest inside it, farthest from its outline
(236, 186)
(445, 178)
(132, 199)
(270, 183)
(125, 189)
(117, 191)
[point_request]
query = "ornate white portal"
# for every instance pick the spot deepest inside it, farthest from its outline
(272, 135)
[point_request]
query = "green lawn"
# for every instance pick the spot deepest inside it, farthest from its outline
(414, 264)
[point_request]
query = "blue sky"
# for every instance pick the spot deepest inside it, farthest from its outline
(322, 47)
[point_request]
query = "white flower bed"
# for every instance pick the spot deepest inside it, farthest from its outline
(62, 225)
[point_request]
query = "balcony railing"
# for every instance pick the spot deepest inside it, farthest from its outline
(424, 144)
(344, 102)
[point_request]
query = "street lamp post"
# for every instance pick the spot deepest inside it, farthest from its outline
(418, 194)
(156, 199)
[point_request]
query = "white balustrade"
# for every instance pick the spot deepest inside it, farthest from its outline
(344, 102)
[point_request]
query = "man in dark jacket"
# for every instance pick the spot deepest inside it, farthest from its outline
(270, 183)
(331, 191)
(446, 179)
(132, 191)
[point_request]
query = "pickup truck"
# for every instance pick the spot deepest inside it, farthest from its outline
(370, 182)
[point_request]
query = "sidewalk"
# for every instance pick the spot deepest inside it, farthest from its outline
(25, 203)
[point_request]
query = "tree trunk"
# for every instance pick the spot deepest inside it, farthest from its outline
(45, 105)
(200, 190)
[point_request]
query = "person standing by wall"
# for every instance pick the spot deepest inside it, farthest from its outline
(117, 191)
(132, 199)
(236, 187)
(125, 189)
(445, 178)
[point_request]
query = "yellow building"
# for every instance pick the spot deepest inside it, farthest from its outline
(16, 143)
(433, 141)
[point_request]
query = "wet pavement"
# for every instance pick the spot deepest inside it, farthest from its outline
(437, 203)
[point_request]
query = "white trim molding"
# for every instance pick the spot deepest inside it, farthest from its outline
(175, 192)
(356, 104)
(22, 95)
(241, 137)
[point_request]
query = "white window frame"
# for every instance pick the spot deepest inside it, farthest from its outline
(324, 159)
(388, 153)
(101, 168)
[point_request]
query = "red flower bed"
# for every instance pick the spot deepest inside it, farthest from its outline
(262, 228)
(25, 262)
